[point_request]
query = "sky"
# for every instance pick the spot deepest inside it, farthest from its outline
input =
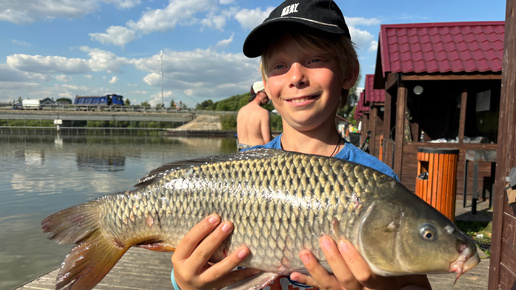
(192, 49)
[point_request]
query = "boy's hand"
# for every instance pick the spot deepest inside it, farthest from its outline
(350, 270)
(190, 260)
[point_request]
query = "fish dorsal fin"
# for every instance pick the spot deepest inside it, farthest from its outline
(182, 164)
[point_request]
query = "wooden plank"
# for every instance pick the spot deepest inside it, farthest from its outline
(137, 269)
(506, 277)
(388, 152)
(387, 116)
(506, 157)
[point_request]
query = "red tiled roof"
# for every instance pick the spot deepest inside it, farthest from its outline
(373, 95)
(442, 47)
(361, 108)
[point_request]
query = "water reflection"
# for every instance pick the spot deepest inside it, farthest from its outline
(100, 161)
(41, 175)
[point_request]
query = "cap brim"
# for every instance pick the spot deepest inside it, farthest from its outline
(260, 36)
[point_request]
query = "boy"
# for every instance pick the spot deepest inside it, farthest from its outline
(308, 66)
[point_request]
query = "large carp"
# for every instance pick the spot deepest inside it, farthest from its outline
(280, 203)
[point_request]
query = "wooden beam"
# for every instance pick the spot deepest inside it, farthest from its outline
(468, 77)
(400, 129)
(387, 121)
(462, 117)
(506, 152)
(391, 81)
(372, 126)
(365, 127)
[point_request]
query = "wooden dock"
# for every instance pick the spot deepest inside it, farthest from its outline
(138, 269)
(144, 269)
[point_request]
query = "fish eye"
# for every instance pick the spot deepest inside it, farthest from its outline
(428, 232)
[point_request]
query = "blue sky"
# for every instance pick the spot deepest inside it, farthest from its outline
(63, 48)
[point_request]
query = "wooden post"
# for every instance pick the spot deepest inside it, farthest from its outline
(400, 129)
(502, 267)
(462, 118)
(373, 117)
(387, 122)
(365, 127)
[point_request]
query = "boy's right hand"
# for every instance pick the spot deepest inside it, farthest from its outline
(190, 259)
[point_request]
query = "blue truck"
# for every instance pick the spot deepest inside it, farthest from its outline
(100, 103)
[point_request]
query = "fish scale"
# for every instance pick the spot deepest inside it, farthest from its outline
(279, 202)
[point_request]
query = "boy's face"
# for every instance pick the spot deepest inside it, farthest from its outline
(304, 84)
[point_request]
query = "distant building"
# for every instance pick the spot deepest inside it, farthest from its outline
(48, 102)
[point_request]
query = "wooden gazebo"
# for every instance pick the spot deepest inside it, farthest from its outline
(461, 62)
(442, 90)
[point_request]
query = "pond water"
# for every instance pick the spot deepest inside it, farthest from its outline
(40, 175)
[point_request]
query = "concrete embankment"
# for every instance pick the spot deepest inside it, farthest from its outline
(202, 126)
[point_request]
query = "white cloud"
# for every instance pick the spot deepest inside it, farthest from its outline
(123, 4)
(215, 21)
(225, 42)
(249, 19)
(28, 11)
(21, 42)
(116, 35)
(361, 38)
(374, 46)
(63, 78)
(102, 60)
(113, 80)
(209, 74)
(9, 74)
(178, 12)
(156, 98)
(47, 64)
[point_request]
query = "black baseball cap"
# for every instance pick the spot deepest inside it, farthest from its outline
(313, 15)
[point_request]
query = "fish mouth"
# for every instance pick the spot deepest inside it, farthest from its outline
(467, 259)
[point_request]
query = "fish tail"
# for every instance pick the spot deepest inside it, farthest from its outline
(92, 257)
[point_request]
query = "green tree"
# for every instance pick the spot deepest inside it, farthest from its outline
(228, 122)
(206, 105)
(349, 109)
(64, 101)
(145, 104)
(127, 102)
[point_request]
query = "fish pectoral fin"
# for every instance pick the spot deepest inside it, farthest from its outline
(255, 282)
(157, 247)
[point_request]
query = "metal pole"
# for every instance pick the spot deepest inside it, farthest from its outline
(162, 104)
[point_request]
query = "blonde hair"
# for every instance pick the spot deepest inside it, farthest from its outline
(340, 46)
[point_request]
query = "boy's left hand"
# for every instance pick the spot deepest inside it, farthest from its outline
(350, 270)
